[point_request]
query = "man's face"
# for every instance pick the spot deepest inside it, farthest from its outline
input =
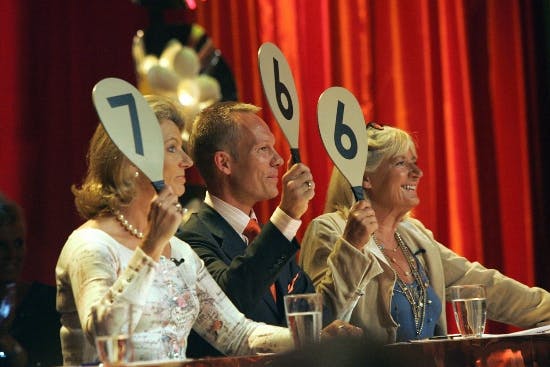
(255, 171)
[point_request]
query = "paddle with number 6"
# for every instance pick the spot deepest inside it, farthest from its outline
(279, 88)
(344, 134)
(132, 126)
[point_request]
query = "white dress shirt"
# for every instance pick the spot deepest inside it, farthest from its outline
(238, 219)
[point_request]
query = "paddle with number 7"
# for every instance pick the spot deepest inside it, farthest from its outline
(132, 126)
(279, 88)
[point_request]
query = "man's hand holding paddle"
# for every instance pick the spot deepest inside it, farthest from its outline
(298, 188)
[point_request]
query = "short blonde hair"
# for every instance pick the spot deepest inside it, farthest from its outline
(110, 180)
(383, 144)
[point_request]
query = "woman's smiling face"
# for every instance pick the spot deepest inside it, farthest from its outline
(394, 183)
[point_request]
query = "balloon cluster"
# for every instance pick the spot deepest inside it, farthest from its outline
(176, 74)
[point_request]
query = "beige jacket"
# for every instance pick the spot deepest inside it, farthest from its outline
(359, 284)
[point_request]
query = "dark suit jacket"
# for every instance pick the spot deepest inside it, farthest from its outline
(246, 272)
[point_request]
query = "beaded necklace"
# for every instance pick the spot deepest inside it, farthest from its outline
(127, 226)
(416, 295)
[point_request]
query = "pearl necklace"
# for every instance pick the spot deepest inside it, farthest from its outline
(127, 226)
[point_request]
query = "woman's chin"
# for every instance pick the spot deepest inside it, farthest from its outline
(179, 190)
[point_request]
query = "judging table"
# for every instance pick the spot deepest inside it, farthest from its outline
(532, 350)
(243, 361)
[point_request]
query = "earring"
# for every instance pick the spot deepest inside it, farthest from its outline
(136, 175)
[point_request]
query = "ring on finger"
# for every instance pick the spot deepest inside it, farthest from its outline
(179, 208)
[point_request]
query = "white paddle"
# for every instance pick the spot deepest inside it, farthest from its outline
(132, 126)
(279, 88)
(344, 134)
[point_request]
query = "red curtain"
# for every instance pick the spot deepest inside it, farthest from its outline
(457, 74)
(450, 72)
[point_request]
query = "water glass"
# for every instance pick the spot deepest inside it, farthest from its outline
(304, 317)
(113, 333)
(470, 309)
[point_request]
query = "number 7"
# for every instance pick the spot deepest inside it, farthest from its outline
(128, 100)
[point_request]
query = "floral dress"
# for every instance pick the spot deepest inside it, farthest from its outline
(169, 298)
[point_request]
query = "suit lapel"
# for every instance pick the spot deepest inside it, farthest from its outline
(231, 244)
(229, 240)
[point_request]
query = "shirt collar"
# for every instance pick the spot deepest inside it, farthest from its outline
(236, 218)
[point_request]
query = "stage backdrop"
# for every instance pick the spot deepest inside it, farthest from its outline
(464, 76)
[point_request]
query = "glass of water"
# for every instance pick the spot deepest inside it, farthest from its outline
(470, 309)
(304, 317)
(113, 333)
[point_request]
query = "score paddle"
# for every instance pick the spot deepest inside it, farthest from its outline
(344, 134)
(279, 88)
(132, 126)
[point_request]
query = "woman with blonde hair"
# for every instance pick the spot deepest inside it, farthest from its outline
(383, 270)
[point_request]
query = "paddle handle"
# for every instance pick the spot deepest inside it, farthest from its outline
(358, 192)
(158, 185)
(295, 154)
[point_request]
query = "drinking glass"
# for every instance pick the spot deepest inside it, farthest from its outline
(470, 309)
(113, 333)
(304, 316)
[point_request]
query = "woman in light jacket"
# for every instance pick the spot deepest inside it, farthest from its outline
(383, 270)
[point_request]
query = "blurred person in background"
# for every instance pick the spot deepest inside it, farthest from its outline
(35, 322)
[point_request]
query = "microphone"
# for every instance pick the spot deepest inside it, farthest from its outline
(176, 261)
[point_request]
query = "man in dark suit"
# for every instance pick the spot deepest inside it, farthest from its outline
(233, 149)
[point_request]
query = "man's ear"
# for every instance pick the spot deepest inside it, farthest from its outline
(222, 160)
(366, 182)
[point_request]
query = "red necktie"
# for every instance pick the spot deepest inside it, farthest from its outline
(251, 230)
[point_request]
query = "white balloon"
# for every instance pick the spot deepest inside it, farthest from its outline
(162, 78)
(147, 63)
(167, 57)
(209, 88)
(188, 92)
(186, 62)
